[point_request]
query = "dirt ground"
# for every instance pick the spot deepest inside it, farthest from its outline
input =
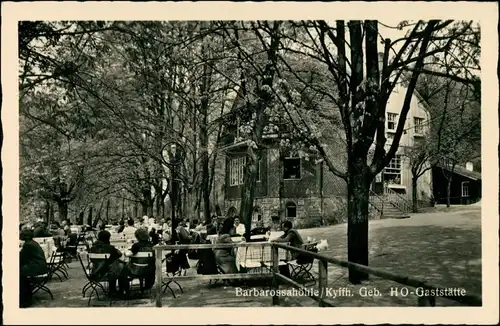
(441, 247)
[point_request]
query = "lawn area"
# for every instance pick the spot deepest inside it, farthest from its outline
(442, 248)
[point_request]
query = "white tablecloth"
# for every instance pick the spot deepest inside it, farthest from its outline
(76, 229)
(275, 234)
(48, 245)
(251, 257)
(212, 238)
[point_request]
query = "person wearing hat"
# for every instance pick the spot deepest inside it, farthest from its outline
(41, 231)
(146, 272)
(113, 268)
(31, 263)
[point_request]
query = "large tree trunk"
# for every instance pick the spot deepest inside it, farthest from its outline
(358, 196)
(281, 190)
(151, 207)
(144, 208)
(47, 211)
(448, 191)
(158, 204)
(63, 210)
(81, 217)
(183, 203)
(107, 211)
(248, 190)
(261, 120)
(174, 198)
(89, 218)
(321, 186)
(205, 177)
(136, 210)
(197, 194)
(205, 186)
(414, 194)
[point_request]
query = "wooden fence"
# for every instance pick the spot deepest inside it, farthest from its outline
(323, 261)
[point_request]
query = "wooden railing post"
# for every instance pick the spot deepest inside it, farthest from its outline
(323, 280)
(158, 276)
(275, 285)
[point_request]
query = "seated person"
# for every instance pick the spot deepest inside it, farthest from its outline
(121, 226)
(60, 242)
(291, 236)
(152, 223)
(183, 234)
(143, 272)
(58, 235)
(160, 236)
(182, 237)
(41, 231)
(66, 225)
(259, 229)
(155, 237)
(238, 228)
(198, 225)
(101, 226)
(112, 269)
(129, 230)
(71, 244)
(185, 223)
(58, 230)
(225, 257)
(167, 230)
(32, 262)
(210, 225)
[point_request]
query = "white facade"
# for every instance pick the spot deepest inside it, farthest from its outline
(398, 174)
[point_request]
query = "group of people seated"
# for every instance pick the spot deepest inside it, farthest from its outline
(32, 258)
(116, 270)
(226, 257)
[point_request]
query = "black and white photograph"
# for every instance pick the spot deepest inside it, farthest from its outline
(251, 163)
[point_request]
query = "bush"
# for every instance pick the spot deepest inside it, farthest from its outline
(338, 216)
(311, 222)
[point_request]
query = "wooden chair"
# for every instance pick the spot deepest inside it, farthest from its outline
(94, 283)
(173, 268)
(142, 260)
(38, 282)
(300, 268)
(57, 265)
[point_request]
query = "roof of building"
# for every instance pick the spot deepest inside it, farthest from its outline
(460, 170)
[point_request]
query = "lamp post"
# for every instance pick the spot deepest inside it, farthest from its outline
(173, 155)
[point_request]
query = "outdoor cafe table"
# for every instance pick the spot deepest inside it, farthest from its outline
(251, 258)
(212, 238)
(48, 245)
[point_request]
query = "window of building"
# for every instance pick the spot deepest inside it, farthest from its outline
(419, 126)
(291, 209)
(392, 121)
(291, 168)
(392, 172)
(236, 171)
(465, 189)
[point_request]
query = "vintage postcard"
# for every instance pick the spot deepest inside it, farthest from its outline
(228, 163)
